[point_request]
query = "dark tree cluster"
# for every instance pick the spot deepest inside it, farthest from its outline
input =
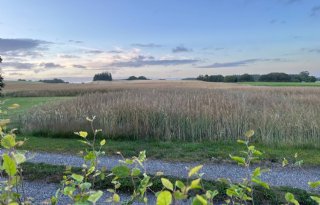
(137, 78)
(105, 76)
(55, 80)
(271, 77)
(1, 78)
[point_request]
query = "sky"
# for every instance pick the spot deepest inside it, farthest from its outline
(74, 39)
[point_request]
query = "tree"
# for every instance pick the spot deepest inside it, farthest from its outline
(230, 79)
(275, 77)
(105, 76)
(1, 78)
(245, 78)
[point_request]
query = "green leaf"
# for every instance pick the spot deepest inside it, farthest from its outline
(179, 195)
(249, 133)
(77, 177)
(202, 200)
(315, 198)
(211, 194)
(241, 142)
(167, 184)
(180, 184)
(195, 184)
(8, 141)
(121, 171)
(135, 172)
(256, 172)
(19, 158)
(95, 196)
(314, 184)
(240, 160)
(82, 134)
(9, 165)
(194, 170)
(261, 183)
(103, 142)
(290, 198)
(164, 198)
(116, 198)
(284, 162)
(142, 156)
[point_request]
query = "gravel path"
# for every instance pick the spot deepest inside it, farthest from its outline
(41, 192)
(278, 176)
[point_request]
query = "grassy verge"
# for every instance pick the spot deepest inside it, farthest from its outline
(282, 84)
(53, 174)
(174, 151)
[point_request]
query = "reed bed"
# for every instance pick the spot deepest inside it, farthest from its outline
(279, 116)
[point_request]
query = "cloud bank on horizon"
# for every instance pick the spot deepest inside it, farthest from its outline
(159, 39)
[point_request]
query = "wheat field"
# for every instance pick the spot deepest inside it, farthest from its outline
(196, 112)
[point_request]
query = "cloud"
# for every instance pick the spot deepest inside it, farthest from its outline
(180, 49)
(94, 51)
(68, 56)
(147, 45)
(19, 44)
(79, 66)
(315, 11)
(75, 41)
(18, 65)
(140, 61)
(50, 65)
(240, 63)
(313, 50)
(115, 51)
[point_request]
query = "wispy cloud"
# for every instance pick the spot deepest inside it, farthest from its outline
(315, 11)
(240, 63)
(79, 66)
(141, 60)
(146, 45)
(18, 65)
(94, 51)
(75, 41)
(51, 65)
(180, 49)
(7, 45)
(68, 56)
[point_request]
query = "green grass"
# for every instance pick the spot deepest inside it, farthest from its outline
(26, 103)
(275, 195)
(282, 84)
(174, 151)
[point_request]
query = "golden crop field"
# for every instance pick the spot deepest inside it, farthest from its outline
(185, 110)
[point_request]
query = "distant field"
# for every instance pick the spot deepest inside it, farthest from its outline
(281, 84)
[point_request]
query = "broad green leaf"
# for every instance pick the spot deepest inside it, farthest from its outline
(195, 184)
(19, 158)
(85, 186)
(240, 160)
(256, 172)
(167, 184)
(194, 170)
(142, 156)
(77, 177)
(211, 194)
(249, 133)
(314, 184)
(135, 172)
(164, 198)
(241, 141)
(9, 165)
(290, 198)
(202, 200)
(95, 196)
(8, 141)
(180, 184)
(103, 142)
(82, 134)
(116, 198)
(68, 190)
(179, 195)
(261, 183)
(121, 171)
(284, 162)
(315, 198)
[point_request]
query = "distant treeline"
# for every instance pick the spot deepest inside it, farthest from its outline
(55, 80)
(271, 77)
(105, 76)
(137, 78)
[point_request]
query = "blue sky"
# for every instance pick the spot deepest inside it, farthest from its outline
(160, 39)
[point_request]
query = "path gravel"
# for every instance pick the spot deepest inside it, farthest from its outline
(278, 176)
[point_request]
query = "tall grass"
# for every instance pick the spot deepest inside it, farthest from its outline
(278, 115)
